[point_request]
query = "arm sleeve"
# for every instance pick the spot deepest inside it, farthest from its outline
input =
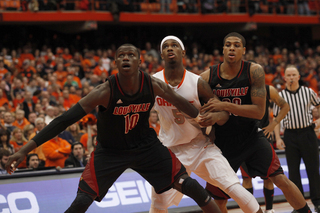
(59, 124)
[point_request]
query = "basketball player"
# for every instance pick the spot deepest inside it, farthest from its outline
(124, 137)
(195, 150)
(267, 127)
(241, 87)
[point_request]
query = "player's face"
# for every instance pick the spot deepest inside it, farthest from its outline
(233, 49)
(172, 51)
(127, 59)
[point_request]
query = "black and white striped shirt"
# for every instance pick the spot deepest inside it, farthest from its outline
(300, 101)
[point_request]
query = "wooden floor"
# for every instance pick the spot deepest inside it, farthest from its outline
(283, 207)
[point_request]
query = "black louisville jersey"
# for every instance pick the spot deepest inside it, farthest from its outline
(265, 120)
(124, 123)
(237, 91)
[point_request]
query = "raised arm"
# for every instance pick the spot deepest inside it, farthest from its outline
(284, 109)
(98, 96)
(163, 90)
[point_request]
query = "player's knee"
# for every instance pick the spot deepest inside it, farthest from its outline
(193, 189)
(81, 203)
(281, 181)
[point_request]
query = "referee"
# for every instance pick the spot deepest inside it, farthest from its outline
(300, 140)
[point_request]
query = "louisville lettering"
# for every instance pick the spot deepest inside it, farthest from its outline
(233, 92)
(134, 108)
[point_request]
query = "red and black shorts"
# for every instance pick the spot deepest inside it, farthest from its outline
(260, 160)
(156, 163)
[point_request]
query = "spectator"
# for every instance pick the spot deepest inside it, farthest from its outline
(8, 120)
(32, 118)
(3, 70)
(75, 131)
(17, 141)
(154, 121)
(66, 135)
(39, 124)
(27, 105)
(4, 156)
(77, 157)
(61, 74)
(33, 161)
(17, 88)
(99, 69)
(32, 86)
(28, 130)
(4, 141)
(56, 150)
(3, 99)
(20, 121)
(52, 100)
(91, 130)
(49, 114)
(28, 70)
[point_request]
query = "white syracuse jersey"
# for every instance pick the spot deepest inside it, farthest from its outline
(175, 129)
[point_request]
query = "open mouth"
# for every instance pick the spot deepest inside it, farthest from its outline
(126, 66)
(171, 55)
(232, 55)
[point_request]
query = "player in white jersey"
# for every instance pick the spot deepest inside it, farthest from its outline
(185, 138)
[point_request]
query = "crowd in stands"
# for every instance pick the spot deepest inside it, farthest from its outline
(37, 85)
(306, 7)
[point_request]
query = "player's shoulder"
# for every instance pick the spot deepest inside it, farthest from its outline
(158, 74)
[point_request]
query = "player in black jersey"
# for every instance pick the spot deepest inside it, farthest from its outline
(267, 127)
(124, 137)
(241, 87)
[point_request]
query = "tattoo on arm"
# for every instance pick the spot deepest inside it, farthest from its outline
(258, 79)
(280, 102)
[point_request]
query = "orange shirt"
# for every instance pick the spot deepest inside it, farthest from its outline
(3, 100)
(24, 56)
(56, 150)
(17, 147)
(61, 75)
(67, 57)
(313, 83)
(84, 140)
(269, 78)
(2, 72)
(22, 124)
(37, 150)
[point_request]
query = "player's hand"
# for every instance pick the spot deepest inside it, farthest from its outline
(280, 144)
(208, 119)
(213, 105)
(268, 130)
(13, 162)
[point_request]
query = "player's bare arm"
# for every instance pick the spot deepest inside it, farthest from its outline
(205, 75)
(210, 118)
(284, 109)
(163, 90)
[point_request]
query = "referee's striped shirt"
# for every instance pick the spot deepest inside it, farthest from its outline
(300, 101)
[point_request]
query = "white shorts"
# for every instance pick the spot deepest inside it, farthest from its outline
(205, 160)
